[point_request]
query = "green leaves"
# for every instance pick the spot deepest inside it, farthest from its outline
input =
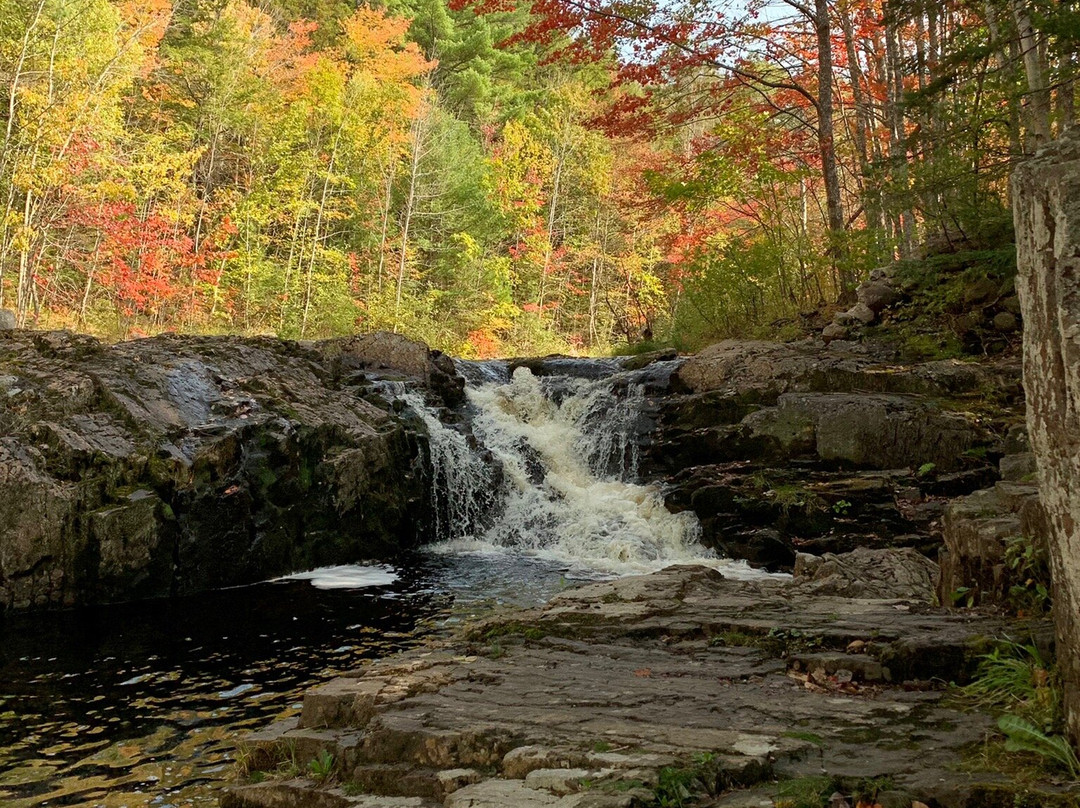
(1023, 736)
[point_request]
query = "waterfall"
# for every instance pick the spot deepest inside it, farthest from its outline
(554, 476)
(465, 488)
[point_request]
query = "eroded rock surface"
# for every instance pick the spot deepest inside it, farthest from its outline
(978, 530)
(1045, 194)
(586, 702)
(175, 464)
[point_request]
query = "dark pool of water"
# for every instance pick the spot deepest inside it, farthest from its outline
(141, 704)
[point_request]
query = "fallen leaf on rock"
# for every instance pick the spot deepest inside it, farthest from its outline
(643, 673)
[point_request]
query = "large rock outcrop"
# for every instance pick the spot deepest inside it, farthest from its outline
(785, 448)
(1046, 200)
(175, 464)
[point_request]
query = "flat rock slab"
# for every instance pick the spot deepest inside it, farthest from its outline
(598, 697)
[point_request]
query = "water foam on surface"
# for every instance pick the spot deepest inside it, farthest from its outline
(346, 576)
(568, 453)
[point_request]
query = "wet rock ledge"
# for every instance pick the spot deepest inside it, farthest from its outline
(172, 465)
(681, 686)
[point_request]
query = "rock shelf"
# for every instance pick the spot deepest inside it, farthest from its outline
(623, 692)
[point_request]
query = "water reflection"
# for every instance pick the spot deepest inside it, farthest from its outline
(140, 705)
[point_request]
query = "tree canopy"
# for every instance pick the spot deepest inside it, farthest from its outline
(495, 177)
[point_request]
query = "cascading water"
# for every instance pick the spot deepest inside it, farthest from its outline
(553, 476)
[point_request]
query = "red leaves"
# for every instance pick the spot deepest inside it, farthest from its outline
(141, 258)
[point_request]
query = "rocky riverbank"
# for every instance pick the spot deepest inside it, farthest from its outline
(677, 688)
(787, 448)
(175, 464)
(172, 465)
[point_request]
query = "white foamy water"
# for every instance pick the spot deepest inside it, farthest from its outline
(568, 453)
(346, 576)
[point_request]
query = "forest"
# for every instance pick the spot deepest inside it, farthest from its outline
(503, 178)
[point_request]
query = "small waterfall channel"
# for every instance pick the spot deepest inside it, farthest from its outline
(547, 466)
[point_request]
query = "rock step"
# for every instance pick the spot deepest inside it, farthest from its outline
(593, 696)
(404, 780)
(300, 794)
(286, 743)
(340, 702)
(767, 515)
(516, 794)
(858, 667)
(977, 530)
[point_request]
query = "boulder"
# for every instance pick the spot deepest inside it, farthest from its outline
(758, 371)
(1047, 218)
(747, 368)
(981, 290)
(1018, 467)
(877, 295)
(834, 331)
(1005, 322)
(876, 431)
(7, 320)
(383, 351)
(977, 530)
(865, 573)
(859, 314)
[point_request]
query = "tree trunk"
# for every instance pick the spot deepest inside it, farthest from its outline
(863, 125)
(827, 149)
(1038, 106)
(410, 203)
(898, 138)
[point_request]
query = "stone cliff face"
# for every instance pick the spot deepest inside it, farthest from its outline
(176, 464)
(1046, 200)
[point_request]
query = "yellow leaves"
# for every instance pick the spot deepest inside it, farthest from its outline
(523, 165)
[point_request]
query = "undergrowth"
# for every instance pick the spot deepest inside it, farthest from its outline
(1024, 687)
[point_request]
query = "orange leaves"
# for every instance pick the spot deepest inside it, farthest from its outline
(142, 258)
(147, 20)
(375, 44)
(484, 343)
(289, 56)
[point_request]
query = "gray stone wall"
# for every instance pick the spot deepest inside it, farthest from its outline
(1046, 207)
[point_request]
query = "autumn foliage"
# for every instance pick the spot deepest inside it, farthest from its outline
(495, 179)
